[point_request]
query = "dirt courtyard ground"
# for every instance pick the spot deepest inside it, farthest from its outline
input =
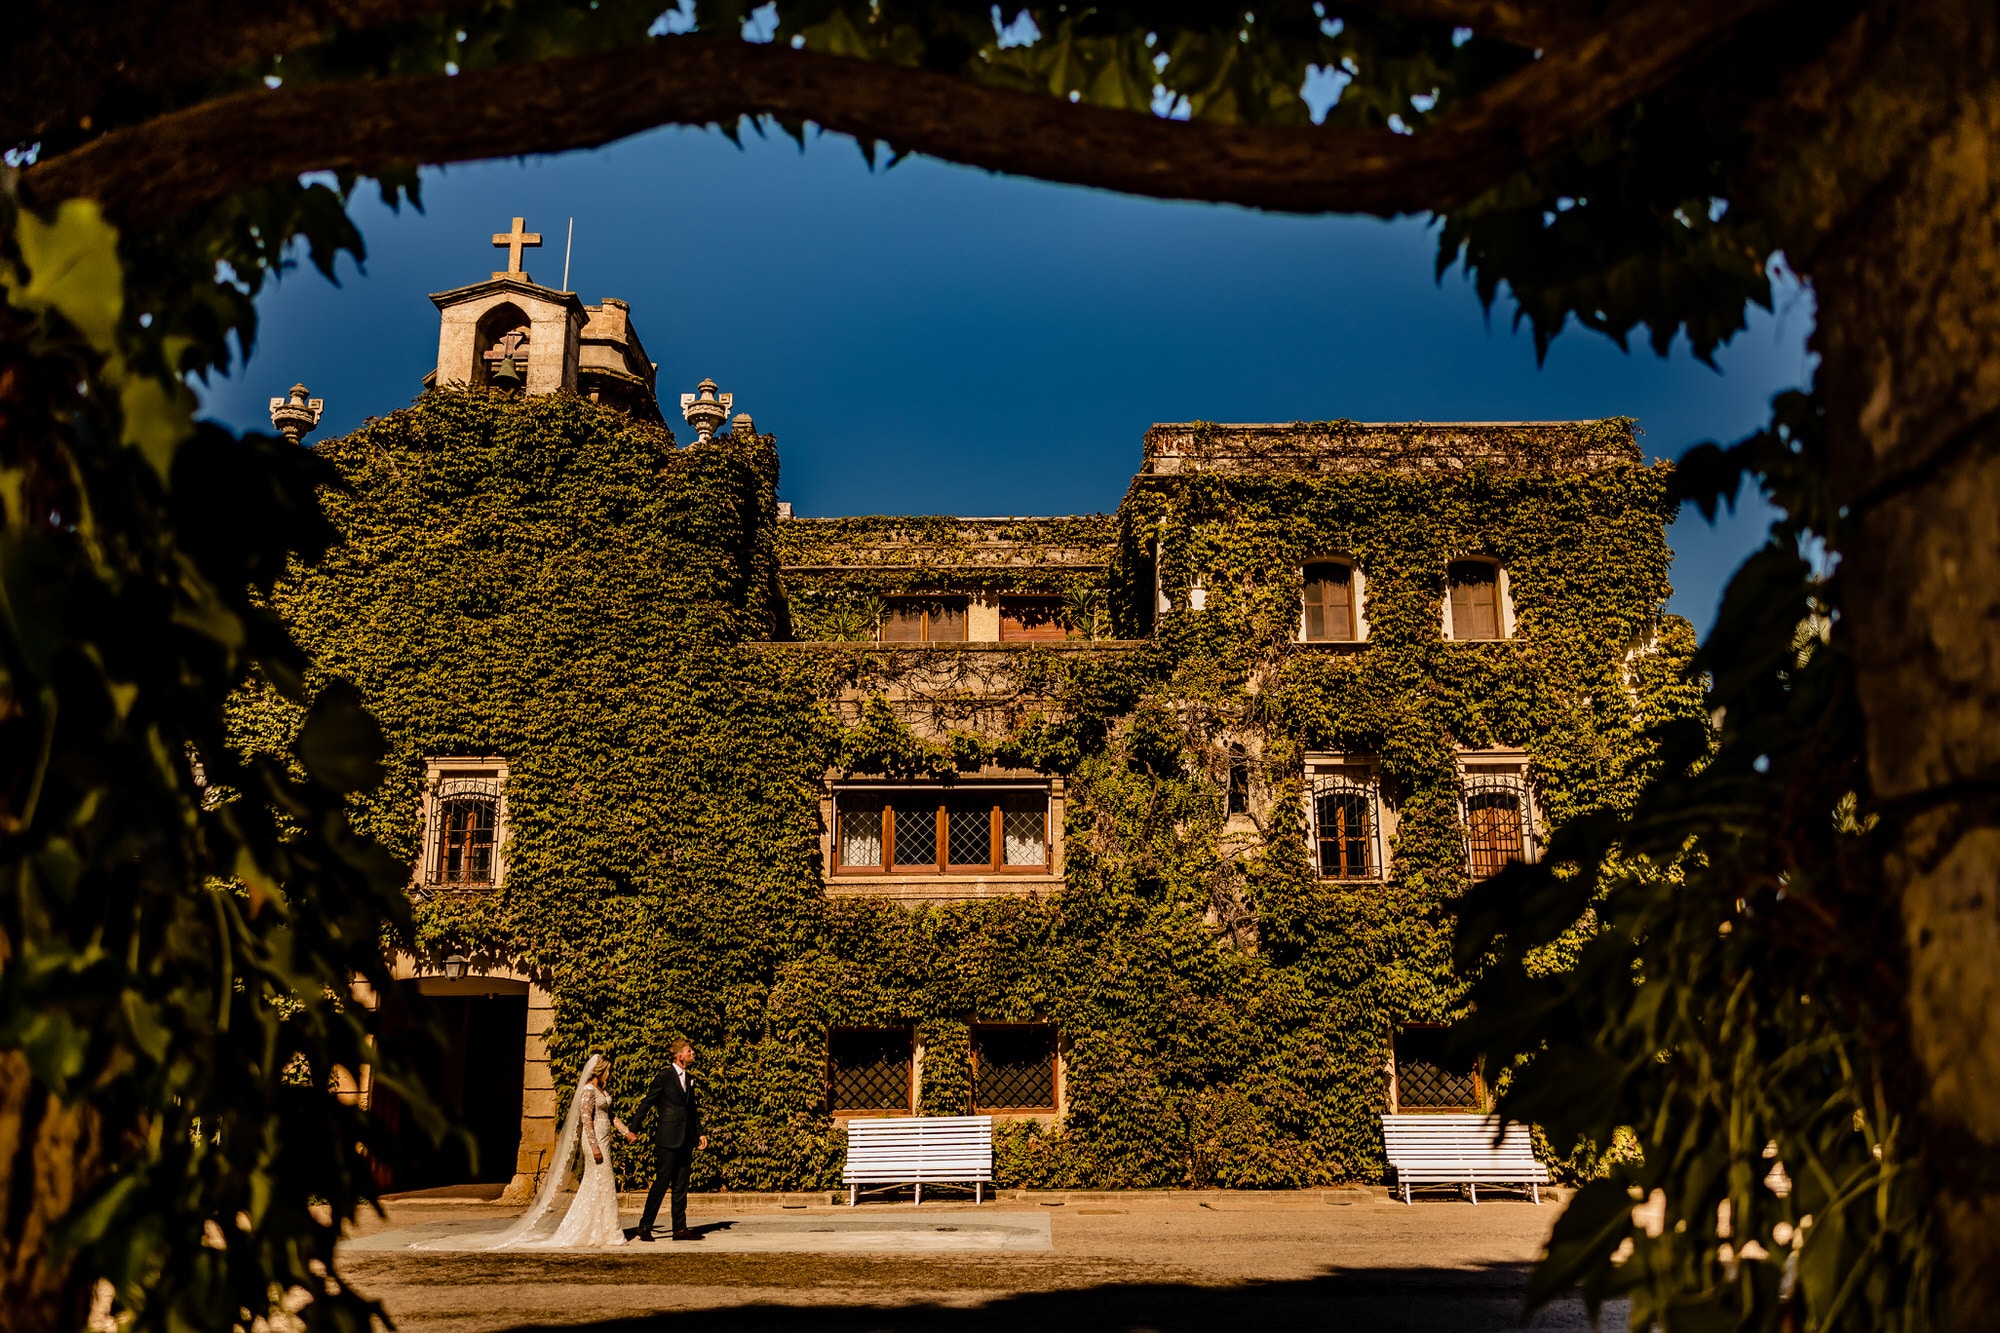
(1336, 1259)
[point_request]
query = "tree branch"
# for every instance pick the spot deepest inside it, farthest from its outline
(1537, 26)
(64, 59)
(183, 161)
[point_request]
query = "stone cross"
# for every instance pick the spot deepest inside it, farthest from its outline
(514, 240)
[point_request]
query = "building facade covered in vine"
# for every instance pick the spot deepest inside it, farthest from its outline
(1139, 831)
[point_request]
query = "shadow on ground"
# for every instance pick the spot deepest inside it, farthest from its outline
(1393, 1300)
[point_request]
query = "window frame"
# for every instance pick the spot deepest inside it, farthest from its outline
(962, 600)
(1503, 600)
(1053, 605)
(1323, 774)
(945, 793)
(1357, 585)
(1236, 783)
(1055, 1069)
(909, 1032)
(488, 773)
(1482, 1101)
(1481, 771)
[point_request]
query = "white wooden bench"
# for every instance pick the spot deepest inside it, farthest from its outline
(1459, 1150)
(919, 1150)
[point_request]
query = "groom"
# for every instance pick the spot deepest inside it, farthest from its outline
(676, 1136)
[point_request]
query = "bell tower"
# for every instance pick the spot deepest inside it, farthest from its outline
(509, 331)
(513, 333)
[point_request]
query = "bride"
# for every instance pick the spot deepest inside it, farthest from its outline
(592, 1218)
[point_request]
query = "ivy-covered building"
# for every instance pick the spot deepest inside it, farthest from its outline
(1140, 831)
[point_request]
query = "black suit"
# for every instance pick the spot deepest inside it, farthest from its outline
(675, 1135)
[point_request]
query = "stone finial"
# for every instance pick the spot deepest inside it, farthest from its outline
(296, 416)
(705, 409)
(741, 426)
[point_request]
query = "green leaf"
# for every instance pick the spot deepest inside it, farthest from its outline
(1582, 1240)
(158, 412)
(90, 1222)
(144, 1021)
(73, 270)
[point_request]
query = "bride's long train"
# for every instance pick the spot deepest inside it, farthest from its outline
(592, 1216)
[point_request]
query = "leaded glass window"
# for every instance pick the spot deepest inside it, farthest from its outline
(860, 834)
(1427, 1079)
(1024, 829)
(934, 830)
(916, 835)
(969, 832)
(868, 1069)
(1014, 1068)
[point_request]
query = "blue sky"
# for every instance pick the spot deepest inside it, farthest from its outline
(935, 339)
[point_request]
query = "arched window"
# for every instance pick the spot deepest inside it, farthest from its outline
(1474, 606)
(1332, 602)
(504, 347)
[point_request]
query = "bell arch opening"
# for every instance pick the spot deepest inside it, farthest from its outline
(505, 347)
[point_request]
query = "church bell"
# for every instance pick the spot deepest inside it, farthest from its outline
(507, 375)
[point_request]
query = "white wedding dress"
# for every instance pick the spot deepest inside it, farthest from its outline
(592, 1217)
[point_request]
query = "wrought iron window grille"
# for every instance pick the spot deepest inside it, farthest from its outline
(463, 834)
(1497, 812)
(1344, 806)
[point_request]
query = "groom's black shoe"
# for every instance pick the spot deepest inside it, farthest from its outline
(646, 1236)
(687, 1234)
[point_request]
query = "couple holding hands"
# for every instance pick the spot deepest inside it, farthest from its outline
(592, 1217)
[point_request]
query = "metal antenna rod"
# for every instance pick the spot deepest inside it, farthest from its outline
(566, 245)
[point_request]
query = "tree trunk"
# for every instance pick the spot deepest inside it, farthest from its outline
(1894, 213)
(47, 1154)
